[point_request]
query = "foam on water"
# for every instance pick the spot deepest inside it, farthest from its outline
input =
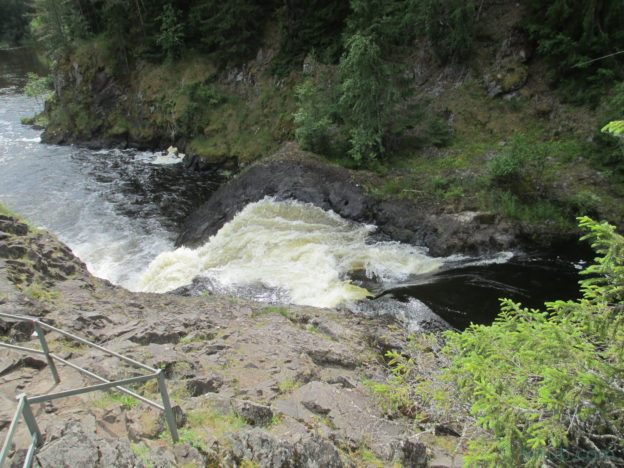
(292, 246)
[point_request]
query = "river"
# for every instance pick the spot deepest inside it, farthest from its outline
(120, 210)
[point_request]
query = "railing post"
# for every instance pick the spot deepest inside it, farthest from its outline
(29, 417)
(169, 416)
(46, 351)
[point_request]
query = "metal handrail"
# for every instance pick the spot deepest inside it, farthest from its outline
(23, 408)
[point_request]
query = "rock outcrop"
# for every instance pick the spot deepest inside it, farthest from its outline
(295, 174)
(252, 385)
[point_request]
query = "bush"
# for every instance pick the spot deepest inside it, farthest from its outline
(548, 386)
(313, 118)
(523, 159)
(367, 96)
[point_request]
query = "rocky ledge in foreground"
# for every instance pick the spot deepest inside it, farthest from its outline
(256, 385)
(295, 174)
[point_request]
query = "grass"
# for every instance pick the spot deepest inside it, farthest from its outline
(41, 293)
(206, 423)
(64, 344)
(5, 211)
(142, 451)
(287, 385)
(114, 398)
(273, 310)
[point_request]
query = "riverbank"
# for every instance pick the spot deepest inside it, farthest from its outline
(523, 155)
(295, 174)
(308, 403)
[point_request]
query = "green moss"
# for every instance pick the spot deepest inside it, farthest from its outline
(41, 293)
(273, 310)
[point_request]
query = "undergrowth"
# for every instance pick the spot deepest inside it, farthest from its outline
(544, 387)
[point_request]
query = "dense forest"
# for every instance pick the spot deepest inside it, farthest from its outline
(518, 134)
(342, 79)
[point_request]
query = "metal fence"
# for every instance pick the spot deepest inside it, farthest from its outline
(23, 407)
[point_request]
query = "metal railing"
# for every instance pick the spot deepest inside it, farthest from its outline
(24, 402)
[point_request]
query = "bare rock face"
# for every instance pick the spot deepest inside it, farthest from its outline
(278, 390)
(295, 174)
(268, 451)
(510, 72)
(77, 447)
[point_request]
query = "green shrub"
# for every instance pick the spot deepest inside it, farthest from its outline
(522, 159)
(313, 119)
(367, 96)
(548, 386)
(38, 87)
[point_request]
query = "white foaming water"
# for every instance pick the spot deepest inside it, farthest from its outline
(56, 188)
(293, 246)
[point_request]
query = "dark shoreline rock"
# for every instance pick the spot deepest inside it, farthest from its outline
(295, 174)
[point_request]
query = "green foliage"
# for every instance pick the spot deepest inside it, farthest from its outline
(57, 23)
(273, 310)
(313, 119)
(579, 38)
(548, 386)
(415, 388)
(115, 398)
(310, 27)
(143, 452)
(367, 96)
(41, 293)
(171, 36)
(202, 98)
(38, 86)
(522, 159)
(229, 29)
(615, 128)
(14, 21)
(450, 26)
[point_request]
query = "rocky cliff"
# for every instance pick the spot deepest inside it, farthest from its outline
(295, 174)
(255, 385)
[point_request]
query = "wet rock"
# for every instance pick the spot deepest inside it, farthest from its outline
(253, 413)
(205, 384)
(413, 316)
(332, 357)
(77, 447)
(13, 226)
(294, 174)
(159, 333)
(412, 453)
(11, 250)
(267, 450)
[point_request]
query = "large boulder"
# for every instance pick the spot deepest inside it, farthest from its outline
(295, 174)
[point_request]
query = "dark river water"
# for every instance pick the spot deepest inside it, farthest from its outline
(118, 210)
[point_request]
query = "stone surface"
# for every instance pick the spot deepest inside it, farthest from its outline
(76, 447)
(294, 174)
(278, 390)
(263, 448)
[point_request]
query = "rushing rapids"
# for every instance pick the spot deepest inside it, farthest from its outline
(293, 246)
